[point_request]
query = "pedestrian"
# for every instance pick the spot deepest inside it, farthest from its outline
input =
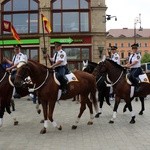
(134, 64)
(60, 66)
(18, 56)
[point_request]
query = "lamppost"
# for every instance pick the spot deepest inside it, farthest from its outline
(109, 17)
(136, 21)
(101, 49)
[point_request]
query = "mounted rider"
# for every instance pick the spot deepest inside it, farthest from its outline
(60, 66)
(134, 64)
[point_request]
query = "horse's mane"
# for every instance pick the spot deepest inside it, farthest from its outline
(92, 63)
(37, 63)
(116, 65)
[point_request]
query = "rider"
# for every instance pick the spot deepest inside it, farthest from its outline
(60, 66)
(115, 56)
(134, 64)
(18, 56)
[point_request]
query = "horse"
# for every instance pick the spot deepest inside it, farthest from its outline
(122, 89)
(103, 90)
(89, 66)
(48, 90)
(6, 91)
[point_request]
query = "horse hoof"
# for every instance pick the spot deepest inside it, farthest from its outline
(97, 115)
(132, 121)
(16, 123)
(39, 111)
(124, 110)
(111, 122)
(42, 121)
(60, 128)
(141, 113)
(43, 131)
(90, 123)
(74, 127)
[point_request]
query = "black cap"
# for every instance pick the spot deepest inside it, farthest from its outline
(17, 46)
(135, 46)
(57, 44)
(113, 47)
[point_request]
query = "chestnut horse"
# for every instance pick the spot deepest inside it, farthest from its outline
(103, 90)
(48, 90)
(89, 66)
(122, 90)
(6, 91)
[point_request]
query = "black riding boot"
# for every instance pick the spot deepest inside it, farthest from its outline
(64, 88)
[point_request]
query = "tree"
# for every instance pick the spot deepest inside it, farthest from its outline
(146, 58)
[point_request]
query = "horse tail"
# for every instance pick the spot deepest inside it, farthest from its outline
(94, 100)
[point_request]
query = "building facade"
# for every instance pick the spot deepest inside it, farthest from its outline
(78, 24)
(124, 38)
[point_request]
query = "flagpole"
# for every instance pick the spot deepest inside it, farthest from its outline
(44, 50)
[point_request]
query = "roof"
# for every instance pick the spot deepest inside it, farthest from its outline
(125, 32)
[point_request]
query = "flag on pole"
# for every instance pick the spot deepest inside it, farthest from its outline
(8, 27)
(47, 24)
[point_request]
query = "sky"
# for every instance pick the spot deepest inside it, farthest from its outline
(126, 11)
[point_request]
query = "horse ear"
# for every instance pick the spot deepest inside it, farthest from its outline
(83, 63)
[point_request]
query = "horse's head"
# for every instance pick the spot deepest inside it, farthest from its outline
(89, 66)
(100, 69)
(23, 72)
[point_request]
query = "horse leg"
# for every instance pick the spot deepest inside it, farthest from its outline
(101, 101)
(117, 101)
(126, 106)
(37, 107)
(142, 105)
(1, 117)
(12, 104)
(50, 115)
(82, 108)
(44, 105)
(89, 104)
(132, 113)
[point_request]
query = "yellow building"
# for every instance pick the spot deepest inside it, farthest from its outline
(124, 38)
(78, 24)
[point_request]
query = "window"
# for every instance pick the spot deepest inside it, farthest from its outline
(121, 44)
(129, 45)
(23, 14)
(70, 15)
(145, 44)
(122, 54)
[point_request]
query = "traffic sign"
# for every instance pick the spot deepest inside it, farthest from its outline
(62, 40)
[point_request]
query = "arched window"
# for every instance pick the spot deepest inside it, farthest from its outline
(70, 15)
(23, 14)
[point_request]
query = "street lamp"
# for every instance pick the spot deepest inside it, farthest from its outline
(109, 17)
(136, 21)
(101, 49)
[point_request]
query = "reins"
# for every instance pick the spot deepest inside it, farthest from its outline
(34, 89)
(3, 77)
(112, 84)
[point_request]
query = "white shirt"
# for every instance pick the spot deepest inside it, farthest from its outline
(61, 56)
(116, 58)
(135, 57)
(17, 58)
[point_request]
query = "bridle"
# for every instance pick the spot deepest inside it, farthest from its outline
(34, 85)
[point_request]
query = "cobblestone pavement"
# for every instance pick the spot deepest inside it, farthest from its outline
(100, 136)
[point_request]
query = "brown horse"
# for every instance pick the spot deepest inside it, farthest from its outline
(48, 90)
(122, 90)
(6, 91)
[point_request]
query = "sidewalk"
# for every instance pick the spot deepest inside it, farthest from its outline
(100, 136)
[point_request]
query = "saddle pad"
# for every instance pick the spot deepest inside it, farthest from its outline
(143, 78)
(71, 77)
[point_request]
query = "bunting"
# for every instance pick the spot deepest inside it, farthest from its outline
(47, 24)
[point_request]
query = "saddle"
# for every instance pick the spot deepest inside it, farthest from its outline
(139, 79)
(69, 77)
